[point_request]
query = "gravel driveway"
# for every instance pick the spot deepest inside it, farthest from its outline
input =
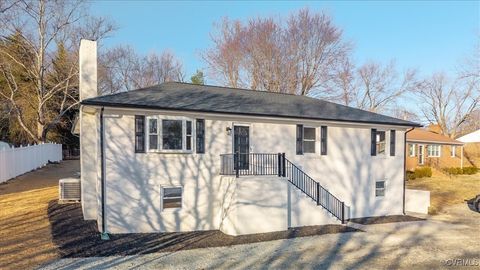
(430, 244)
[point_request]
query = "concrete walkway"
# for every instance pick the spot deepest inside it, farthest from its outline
(438, 242)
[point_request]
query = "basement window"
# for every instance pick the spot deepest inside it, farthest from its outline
(380, 188)
(172, 197)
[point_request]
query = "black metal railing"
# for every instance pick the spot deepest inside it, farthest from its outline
(313, 189)
(249, 164)
(276, 164)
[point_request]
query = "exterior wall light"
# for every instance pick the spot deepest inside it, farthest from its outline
(229, 131)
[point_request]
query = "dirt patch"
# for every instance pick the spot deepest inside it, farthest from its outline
(78, 238)
(385, 219)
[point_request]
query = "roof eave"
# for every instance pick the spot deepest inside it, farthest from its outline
(122, 105)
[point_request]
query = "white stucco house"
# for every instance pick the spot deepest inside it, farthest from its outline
(181, 157)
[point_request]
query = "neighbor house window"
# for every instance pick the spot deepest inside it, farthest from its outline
(172, 197)
(169, 134)
(411, 150)
(452, 151)
(308, 140)
(433, 150)
(380, 142)
(380, 188)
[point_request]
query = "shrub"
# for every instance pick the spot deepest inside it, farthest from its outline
(453, 170)
(456, 170)
(470, 170)
(423, 172)
(410, 175)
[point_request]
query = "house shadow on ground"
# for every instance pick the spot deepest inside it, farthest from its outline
(76, 237)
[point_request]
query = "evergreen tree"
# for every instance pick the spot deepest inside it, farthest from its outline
(198, 78)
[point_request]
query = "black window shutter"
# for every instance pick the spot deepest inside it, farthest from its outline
(323, 140)
(392, 142)
(200, 136)
(299, 139)
(373, 148)
(139, 134)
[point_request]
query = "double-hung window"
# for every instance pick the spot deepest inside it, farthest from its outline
(380, 142)
(152, 133)
(452, 151)
(411, 150)
(433, 150)
(169, 134)
(308, 140)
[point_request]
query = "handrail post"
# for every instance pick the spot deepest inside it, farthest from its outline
(237, 168)
(318, 193)
(284, 171)
(279, 164)
(343, 212)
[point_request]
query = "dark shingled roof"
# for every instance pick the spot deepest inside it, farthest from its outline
(214, 99)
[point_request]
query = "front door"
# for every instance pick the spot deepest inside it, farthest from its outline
(241, 145)
(420, 154)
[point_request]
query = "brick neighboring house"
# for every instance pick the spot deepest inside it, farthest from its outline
(430, 148)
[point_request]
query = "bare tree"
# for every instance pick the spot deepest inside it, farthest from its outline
(449, 104)
(379, 85)
(40, 27)
(122, 69)
(225, 57)
(296, 56)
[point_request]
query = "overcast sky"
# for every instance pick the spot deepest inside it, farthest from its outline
(430, 36)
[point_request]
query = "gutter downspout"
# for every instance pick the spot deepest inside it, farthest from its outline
(104, 234)
(405, 166)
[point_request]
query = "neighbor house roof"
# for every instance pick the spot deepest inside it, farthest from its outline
(425, 136)
(473, 137)
(223, 100)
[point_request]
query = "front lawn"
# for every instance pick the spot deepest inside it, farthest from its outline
(446, 190)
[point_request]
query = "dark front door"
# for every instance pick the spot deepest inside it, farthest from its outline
(241, 145)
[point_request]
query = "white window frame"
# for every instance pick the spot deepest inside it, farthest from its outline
(387, 140)
(384, 188)
(411, 149)
(162, 194)
(431, 152)
(159, 149)
(309, 140)
(453, 150)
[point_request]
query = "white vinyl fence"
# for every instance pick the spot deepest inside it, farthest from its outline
(17, 161)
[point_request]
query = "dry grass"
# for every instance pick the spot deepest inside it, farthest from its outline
(25, 235)
(25, 229)
(446, 191)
